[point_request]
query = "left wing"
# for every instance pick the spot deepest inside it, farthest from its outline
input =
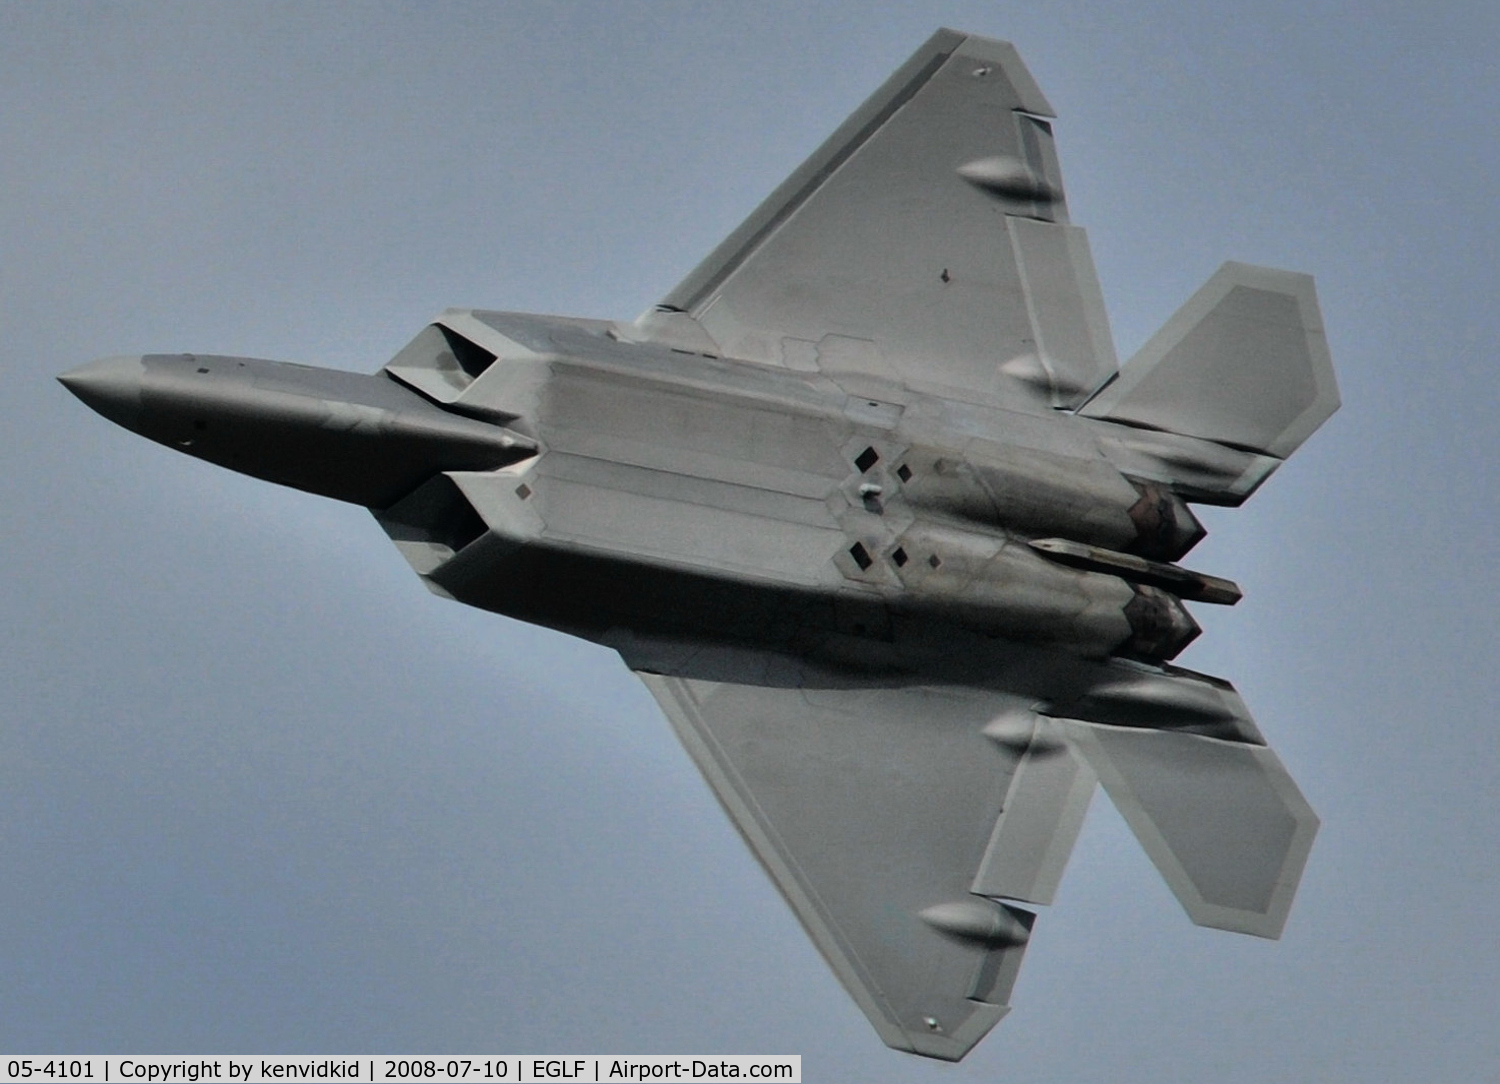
(889, 818)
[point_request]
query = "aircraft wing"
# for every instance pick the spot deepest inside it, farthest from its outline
(889, 820)
(925, 244)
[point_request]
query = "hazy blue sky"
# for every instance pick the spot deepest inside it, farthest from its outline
(260, 791)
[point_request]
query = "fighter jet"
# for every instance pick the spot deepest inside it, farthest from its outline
(871, 508)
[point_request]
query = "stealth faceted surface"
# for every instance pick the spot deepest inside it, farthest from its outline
(230, 858)
(835, 657)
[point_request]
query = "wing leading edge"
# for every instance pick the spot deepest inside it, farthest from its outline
(925, 244)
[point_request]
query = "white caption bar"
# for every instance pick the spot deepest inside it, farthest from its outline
(323, 1069)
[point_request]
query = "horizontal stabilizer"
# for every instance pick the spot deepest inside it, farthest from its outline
(1222, 821)
(1244, 363)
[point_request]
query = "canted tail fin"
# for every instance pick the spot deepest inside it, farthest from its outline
(1243, 363)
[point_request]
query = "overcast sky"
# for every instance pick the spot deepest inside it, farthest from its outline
(260, 791)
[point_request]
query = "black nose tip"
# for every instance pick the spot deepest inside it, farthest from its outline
(112, 386)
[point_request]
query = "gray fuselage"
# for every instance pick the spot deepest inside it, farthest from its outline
(631, 493)
(678, 495)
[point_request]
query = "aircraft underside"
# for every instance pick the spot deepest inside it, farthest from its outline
(871, 508)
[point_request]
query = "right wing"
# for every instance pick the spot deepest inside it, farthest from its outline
(925, 243)
(889, 819)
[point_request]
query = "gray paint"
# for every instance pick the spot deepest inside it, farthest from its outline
(879, 259)
(876, 819)
(1043, 815)
(835, 656)
(285, 699)
(1244, 362)
(1222, 821)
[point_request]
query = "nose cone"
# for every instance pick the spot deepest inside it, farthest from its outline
(112, 386)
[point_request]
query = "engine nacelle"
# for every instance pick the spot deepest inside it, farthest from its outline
(1038, 494)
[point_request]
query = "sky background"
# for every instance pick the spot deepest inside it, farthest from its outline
(261, 792)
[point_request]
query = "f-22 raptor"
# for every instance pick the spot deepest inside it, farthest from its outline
(871, 508)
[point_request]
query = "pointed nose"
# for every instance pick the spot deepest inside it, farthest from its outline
(112, 386)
